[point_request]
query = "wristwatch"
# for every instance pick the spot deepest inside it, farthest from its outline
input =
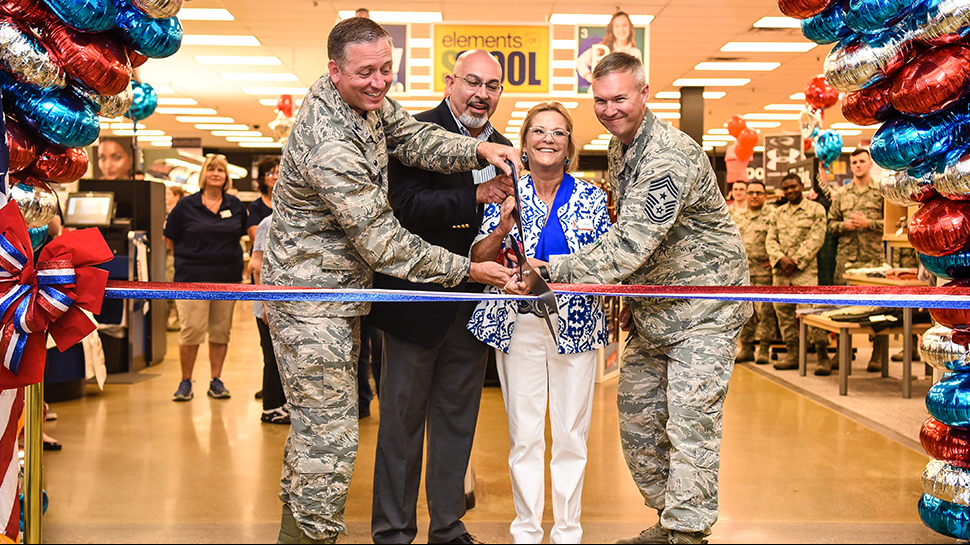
(544, 273)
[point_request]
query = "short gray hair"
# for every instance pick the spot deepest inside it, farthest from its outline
(354, 30)
(618, 61)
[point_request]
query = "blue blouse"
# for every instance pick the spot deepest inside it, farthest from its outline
(582, 218)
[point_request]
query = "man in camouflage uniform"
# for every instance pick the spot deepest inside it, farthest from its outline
(753, 225)
(332, 227)
(739, 198)
(856, 217)
(672, 228)
(796, 232)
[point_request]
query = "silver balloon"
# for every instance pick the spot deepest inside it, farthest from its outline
(861, 61)
(938, 350)
(27, 58)
(111, 105)
(946, 482)
(158, 9)
(936, 18)
(900, 188)
(954, 181)
(37, 201)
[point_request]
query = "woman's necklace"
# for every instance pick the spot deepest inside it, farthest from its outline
(214, 206)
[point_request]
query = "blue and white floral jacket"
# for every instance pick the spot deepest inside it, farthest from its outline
(581, 319)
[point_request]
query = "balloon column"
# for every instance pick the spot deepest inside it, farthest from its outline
(284, 118)
(740, 154)
(819, 96)
(906, 64)
(64, 63)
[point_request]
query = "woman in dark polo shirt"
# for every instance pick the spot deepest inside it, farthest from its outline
(204, 231)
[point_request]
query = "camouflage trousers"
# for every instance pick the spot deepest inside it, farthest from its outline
(317, 358)
(671, 400)
(762, 324)
(785, 312)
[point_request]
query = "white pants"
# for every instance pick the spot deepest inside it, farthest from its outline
(531, 371)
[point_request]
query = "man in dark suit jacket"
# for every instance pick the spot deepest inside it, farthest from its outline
(434, 367)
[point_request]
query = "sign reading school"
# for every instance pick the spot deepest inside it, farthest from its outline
(522, 50)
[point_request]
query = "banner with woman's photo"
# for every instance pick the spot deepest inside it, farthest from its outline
(593, 42)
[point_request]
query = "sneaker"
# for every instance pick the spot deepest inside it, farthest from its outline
(276, 416)
(184, 393)
(217, 389)
(653, 534)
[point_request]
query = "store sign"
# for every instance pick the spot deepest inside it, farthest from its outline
(522, 50)
(781, 152)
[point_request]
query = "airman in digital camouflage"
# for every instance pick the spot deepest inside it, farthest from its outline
(672, 228)
(856, 218)
(752, 222)
(332, 227)
(796, 232)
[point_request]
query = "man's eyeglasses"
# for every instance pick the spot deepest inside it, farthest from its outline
(755, 193)
(492, 87)
(541, 133)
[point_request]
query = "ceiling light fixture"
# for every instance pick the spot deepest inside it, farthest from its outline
(763, 124)
(527, 105)
(204, 119)
(399, 16)
(260, 144)
(738, 66)
(777, 22)
(236, 133)
(239, 60)
(275, 90)
(129, 132)
(205, 14)
(797, 96)
(185, 111)
(250, 139)
(663, 105)
(275, 102)
(172, 101)
(208, 39)
(667, 115)
(718, 131)
(675, 95)
(772, 117)
(256, 76)
(785, 107)
(768, 47)
(222, 127)
(711, 82)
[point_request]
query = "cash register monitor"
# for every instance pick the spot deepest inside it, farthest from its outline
(89, 209)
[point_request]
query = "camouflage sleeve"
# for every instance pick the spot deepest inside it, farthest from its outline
(360, 206)
(836, 221)
(877, 224)
(426, 145)
(816, 237)
(634, 237)
(772, 246)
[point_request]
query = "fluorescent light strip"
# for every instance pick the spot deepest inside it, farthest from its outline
(717, 131)
(162, 143)
(186, 111)
(516, 122)
(772, 117)
(260, 144)
(768, 47)
(777, 22)
(605, 136)
(716, 137)
(209, 39)
(738, 66)
(711, 82)
(763, 124)
(160, 138)
(123, 125)
(759, 148)
(519, 114)
(667, 115)
(797, 96)
(230, 59)
(203, 119)
(527, 105)
(275, 90)
(205, 14)
(172, 101)
(785, 107)
(236, 133)
(163, 90)
(250, 139)
(715, 143)
(399, 16)
(675, 95)
(663, 105)
(221, 127)
(849, 132)
(275, 101)
(129, 132)
(250, 76)
(600, 142)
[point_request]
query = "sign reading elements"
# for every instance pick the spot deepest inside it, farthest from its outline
(522, 50)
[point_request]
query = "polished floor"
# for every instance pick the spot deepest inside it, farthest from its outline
(139, 468)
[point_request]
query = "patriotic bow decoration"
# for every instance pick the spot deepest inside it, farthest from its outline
(46, 297)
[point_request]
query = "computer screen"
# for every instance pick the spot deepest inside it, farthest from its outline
(90, 209)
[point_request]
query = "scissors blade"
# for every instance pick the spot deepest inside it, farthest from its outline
(538, 286)
(518, 207)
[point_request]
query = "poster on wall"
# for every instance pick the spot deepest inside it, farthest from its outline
(522, 50)
(781, 152)
(596, 41)
(399, 36)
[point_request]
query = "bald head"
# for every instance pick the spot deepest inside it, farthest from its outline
(474, 88)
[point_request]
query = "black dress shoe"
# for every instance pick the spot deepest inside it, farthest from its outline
(363, 411)
(54, 445)
(464, 538)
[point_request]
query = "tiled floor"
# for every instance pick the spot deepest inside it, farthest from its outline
(137, 467)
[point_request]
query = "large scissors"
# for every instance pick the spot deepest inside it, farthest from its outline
(532, 278)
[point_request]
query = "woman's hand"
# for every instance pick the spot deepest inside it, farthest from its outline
(507, 217)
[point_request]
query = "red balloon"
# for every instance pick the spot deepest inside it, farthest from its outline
(32, 12)
(22, 148)
(940, 227)
(61, 165)
(934, 81)
(136, 58)
(748, 138)
(869, 106)
(735, 125)
(819, 94)
(945, 443)
(803, 9)
(954, 318)
(284, 104)
(97, 60)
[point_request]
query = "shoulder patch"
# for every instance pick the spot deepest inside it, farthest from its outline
(661, 199)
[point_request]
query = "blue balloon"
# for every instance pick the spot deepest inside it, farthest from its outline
(872, 16)
(943, 517)
(953, 266)
(154, 38)
(85, 15)
(58, 116)
(37, 236)
(826, 27)
(905, 141)
(144, 102)
(949, 400)
(828, 146)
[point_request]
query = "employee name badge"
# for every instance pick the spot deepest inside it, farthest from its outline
(584, 224)
(225, 214)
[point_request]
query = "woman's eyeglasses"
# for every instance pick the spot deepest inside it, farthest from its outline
(557, 134)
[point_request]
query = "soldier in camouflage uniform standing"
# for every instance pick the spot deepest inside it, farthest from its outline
(739, 198)
(672, 228)
(753, 225)
(856, 217)
(796, 232)
(332, 227)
